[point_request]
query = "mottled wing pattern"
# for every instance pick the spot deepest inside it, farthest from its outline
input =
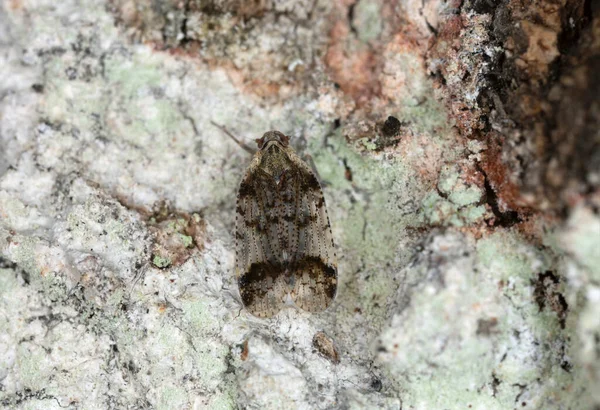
(262, 286)
(284, 242)
(313, 262)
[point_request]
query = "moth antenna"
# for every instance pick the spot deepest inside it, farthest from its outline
(311, 163)
(244, 146)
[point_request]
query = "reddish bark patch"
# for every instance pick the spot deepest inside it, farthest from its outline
(15, 4)
(508, 193)
(354, 72)
(326, 347)
(245, 351)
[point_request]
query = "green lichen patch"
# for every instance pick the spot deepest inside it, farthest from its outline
(436, 210)
(371, 204)
(161, 262)
(134, 76)
(224, 401)
(455, 202)
(200, 319)
(476, 328)
(101, 226)
(367, 20)
(210, 362)
(581, 239)
(172, 397)
(176, 237)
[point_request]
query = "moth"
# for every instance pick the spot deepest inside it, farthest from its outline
(284, 247)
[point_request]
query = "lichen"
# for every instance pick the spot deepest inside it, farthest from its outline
(161, 262)
(367, 20)
(488, 279)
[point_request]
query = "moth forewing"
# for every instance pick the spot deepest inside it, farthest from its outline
(284, 244)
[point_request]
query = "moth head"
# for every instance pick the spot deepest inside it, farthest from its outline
(273, 138)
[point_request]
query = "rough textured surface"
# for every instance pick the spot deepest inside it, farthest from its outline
(459, 150)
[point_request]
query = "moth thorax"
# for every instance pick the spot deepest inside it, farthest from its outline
(275, 162)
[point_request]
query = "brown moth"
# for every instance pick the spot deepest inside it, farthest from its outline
(283, 245)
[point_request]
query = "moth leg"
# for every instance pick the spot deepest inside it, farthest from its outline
(244, 146)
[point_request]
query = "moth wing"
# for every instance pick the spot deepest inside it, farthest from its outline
(315, 264)
(262, 286)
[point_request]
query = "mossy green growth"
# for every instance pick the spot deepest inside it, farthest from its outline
(508, 256)
(580, 238)
(58, 106)
(161, 262)
(456, 189)
(467, 196)
(418, 105)
(223, 401)
(8, 281)
(448, 179)
(517, 266)
(210, 362)
(187, 240)
(172, 397)
(24, 256)
(436, 210)
(198, 316)
(35, 369)
(367, 20)
(368, 144)
(131, 76)
(522, 356)
(370, 215)
(473, 214)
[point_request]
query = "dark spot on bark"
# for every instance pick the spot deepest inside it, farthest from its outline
(347, 171)
(546, 294)
(376, 384)
(132, 367)
(566, 366)
(351, 18)
(391, 127)
(486, 327)
(484, 6)
(495, 383)
(505, 219)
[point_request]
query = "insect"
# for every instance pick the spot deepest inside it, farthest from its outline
(283, 243)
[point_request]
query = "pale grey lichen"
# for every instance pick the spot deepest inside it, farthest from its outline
(472, 328)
